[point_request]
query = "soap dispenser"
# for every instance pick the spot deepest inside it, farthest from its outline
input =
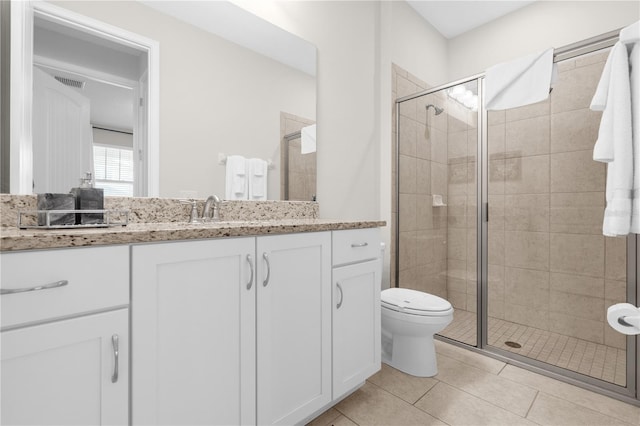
(88, 198)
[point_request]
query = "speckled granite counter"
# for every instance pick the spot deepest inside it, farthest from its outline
(239, 219)
(12, 239)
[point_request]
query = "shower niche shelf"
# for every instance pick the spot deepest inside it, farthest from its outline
(437, 201)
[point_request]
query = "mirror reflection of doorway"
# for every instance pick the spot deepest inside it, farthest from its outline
(298, 176)
(110, 141)
(61, 135)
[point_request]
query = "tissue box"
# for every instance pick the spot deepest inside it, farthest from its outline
(89, 199)
(50, 201)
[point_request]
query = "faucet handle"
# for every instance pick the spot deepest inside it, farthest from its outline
(194, 209)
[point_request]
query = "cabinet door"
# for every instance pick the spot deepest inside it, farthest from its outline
(64, 372)
(193, 319)
(356, 325)
(294, 326)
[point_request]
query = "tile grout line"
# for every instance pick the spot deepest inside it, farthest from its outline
(342, 414)
(535, 398)
(562, 398)
(488, 402)
(502, 369)
(426, 412)
(335, 407)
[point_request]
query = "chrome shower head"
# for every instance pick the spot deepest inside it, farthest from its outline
(437, 109)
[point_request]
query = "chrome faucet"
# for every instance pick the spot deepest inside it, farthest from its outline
(206, 211)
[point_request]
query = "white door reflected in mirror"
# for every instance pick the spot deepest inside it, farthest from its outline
(62, 139)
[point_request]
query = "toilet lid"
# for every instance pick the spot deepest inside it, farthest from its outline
(414, 302)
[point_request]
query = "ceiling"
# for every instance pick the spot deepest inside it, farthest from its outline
(452, 18)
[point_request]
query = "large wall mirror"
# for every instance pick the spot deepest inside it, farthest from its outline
(152, 96)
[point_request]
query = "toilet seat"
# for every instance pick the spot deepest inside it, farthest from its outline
(414, 302)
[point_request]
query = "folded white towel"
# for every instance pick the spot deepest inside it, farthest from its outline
(520, 82)
(235, 178)
(615, 144)
(308, 139)
(257, 179)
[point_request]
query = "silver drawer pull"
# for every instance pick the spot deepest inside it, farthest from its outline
(251, 266)
(341, 295)
(266, 259)
(57, 284)
(116, 355)
(354, 245)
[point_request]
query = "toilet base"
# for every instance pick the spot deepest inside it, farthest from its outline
(412, 355)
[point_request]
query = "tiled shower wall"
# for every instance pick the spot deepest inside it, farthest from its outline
(437, 157)
(302, 167)
(462, 240)
(423, 230)
(550, 267)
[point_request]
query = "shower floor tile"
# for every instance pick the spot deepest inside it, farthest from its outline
(592, 359)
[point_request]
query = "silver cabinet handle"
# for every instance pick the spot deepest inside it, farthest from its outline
(341, 295)
(355, 245)
(116, 354)
(251, 266)
(266, 259)
(57, 284)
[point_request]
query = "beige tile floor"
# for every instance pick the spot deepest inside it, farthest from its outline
(472, 389)
(592, 359)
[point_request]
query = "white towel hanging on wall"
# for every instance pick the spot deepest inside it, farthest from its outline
(257, 179)
(236, 182)
(308, 139)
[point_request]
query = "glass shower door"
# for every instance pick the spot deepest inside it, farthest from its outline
(551, 273)
(437, 200)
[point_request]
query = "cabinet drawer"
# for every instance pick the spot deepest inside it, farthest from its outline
(96, 278)
(355, 245)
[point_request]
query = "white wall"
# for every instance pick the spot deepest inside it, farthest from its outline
(533, 28)
(211, 98)
(417, 46)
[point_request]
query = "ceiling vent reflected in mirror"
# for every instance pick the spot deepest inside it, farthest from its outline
(70, 82)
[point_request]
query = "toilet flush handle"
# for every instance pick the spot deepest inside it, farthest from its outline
(341, 295)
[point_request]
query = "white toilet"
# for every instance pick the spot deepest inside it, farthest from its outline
(410, 318)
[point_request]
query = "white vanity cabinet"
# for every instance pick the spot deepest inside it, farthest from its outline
(65, 336)
(356, 308)
(231, 331)
(293, 326)
(193, 325)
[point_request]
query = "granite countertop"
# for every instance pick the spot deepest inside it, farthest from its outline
(13, 239)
